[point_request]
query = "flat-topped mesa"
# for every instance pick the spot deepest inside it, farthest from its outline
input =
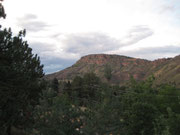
(123, 67)
(102, 59)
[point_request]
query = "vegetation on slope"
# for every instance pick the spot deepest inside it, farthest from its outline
(122, 68)
(87, 106)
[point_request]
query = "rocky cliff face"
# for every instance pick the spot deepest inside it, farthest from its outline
(102, 59)
(122, 68)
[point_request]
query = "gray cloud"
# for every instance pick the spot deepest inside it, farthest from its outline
(161, 50)
(31, 23)
(99, 42)
(41, 47)
(136, 34)
(89, 43)
(152, 53)
(29, 17)
(166, 8)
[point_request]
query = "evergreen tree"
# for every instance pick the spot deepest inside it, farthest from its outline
(56, 115)
(55, 85)
(20, 85)
(108, 72)
(2, 11)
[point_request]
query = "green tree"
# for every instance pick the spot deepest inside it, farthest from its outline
(20, 84)
(56, 115)
(142, 119)
(91, 84)
(173, 122)
(168, 103)
(55, 85)
(108, 72)
(2, 11)
(66, 88)
(141, 115)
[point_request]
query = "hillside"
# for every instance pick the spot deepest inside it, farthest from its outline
(169, 71)
(122, 68)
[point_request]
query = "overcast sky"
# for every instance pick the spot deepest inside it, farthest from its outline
(61, 31)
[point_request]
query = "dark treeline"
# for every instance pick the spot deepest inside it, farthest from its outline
(30, 105)
(87, 106)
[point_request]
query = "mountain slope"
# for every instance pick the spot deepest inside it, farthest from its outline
(169, 72)
(122, 68)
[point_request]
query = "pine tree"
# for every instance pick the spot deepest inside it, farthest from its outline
(55, 85)
(108, 72)
(2, 11)
(20, 85)
(56, 115)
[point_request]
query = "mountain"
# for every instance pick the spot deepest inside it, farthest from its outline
(169, 71)
(121, 68)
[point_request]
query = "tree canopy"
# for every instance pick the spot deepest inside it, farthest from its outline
(20, 73)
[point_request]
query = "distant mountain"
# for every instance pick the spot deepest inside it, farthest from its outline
(121, 68)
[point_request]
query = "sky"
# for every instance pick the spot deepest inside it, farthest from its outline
(62, 31)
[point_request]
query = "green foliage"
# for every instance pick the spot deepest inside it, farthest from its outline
(105, 117)
(108, 72)
(56, 115)
(172, 122)
(169, 96)
(161, 100)
(55, 85)
(141, 108)
(141, 119)
(83, 89)
(2, 11)
(20, 85)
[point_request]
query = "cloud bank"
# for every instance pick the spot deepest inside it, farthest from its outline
(31, 23)
(87, 43)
